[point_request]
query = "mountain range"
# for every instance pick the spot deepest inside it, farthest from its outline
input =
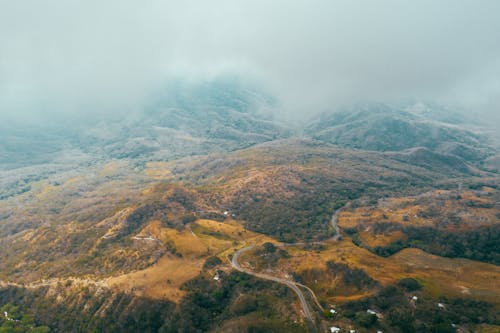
(121, 223)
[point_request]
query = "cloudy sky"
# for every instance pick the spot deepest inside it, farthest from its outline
(84, 56)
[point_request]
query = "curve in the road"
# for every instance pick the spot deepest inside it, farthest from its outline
(293, 285)
(290, 284)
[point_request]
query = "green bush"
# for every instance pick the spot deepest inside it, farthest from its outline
(409, 284)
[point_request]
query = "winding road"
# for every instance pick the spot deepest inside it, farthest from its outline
(291, 284)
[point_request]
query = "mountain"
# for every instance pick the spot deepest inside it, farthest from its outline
(184, 119)
(190, 119)
(130, 223)
(381, 127)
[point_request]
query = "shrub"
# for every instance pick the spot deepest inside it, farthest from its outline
(409, 284)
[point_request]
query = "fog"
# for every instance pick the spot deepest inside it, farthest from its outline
(83, 57)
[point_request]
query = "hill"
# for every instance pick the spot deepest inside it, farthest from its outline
(123, 224)
(382, 127)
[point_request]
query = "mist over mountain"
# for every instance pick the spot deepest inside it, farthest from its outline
(310, 57)
(226, 114)
(235, 166)
(384, 128)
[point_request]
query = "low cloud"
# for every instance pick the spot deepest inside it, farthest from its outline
(94, 56)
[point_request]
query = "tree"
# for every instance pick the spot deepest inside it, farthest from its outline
(402, 318)
(365, 319)
(409, 284)
(269, 247)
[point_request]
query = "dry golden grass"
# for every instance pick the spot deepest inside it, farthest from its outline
(237, 235)
(46, 191)
(160, 281)
(224, 235)
(112, 168)
(487, 328)
(229, 227)
(186, 243)
(408, 210)
(158, 170)
(164, 279)
(115, 222)
(190, 242)
(458, 277)
(374, 240)
(441, 276)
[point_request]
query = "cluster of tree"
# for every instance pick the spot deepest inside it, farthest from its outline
(478, 244)
(304, 216)
(409, 284)
(13, 320)
(354, 277)
(338, 279)
(300, 210)
(87, 311)
(402, 314)
(207, 305)
(268, 255)
(178, 200)
(211, 262)
(143, 214)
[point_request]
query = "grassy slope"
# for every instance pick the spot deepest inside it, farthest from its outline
(287, 189)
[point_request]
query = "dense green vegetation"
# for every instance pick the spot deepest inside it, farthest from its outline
(211, 262)
(478, 244)
(409, 284)
(208, 304)
(13, 320)
(87, 311)
(339, 279)
(402, 314)
(304, 217)
(352, 276)
(306, 214)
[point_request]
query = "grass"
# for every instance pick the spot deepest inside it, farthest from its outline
(433, 209)
(158, 170)
(160, 281)
(194, 245)
(374, 240)
(440, 276)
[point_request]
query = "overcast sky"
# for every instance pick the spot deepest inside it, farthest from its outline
(82, 56)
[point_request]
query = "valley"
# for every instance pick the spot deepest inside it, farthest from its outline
(254, 228)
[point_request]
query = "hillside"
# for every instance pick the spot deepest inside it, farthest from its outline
(457, 223)
(190, 119)
(140, 214)
(182, 119)
(382, 127)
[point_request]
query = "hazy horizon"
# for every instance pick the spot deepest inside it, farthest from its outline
(103, 58)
